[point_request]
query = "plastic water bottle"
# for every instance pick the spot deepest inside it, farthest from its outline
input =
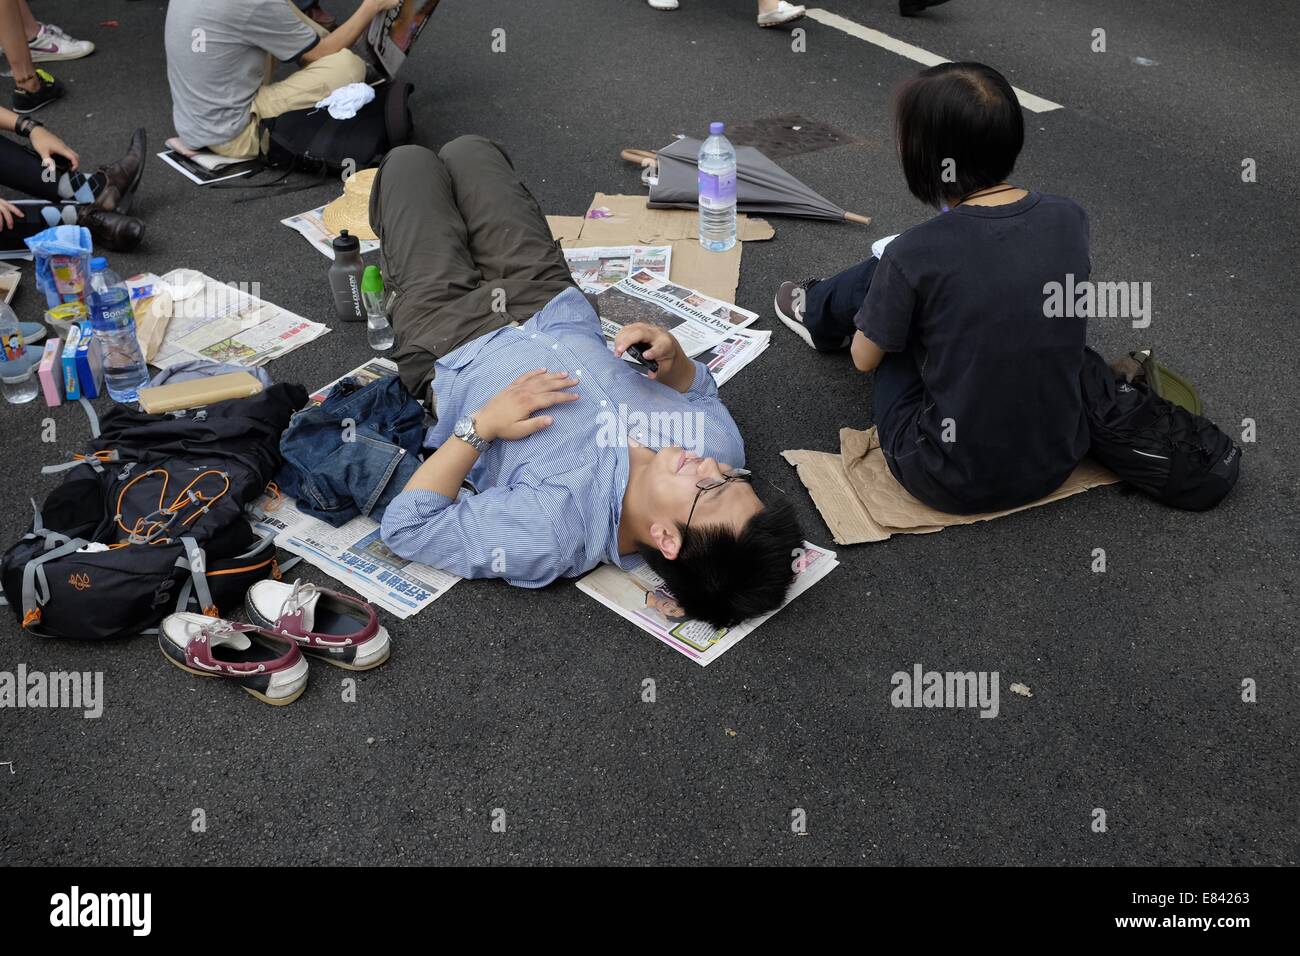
(378, 330)
(125, 371)
(12, 348)
(717, 172)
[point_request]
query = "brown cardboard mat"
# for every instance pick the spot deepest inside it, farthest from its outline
(860, 499)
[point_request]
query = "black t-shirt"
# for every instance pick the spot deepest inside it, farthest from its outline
(999, 420)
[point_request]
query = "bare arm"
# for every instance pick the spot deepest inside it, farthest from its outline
(350, 30)
(866, 353)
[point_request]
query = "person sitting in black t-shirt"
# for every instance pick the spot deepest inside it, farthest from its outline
(976, 395)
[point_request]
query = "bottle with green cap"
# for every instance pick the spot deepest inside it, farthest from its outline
(378, 330)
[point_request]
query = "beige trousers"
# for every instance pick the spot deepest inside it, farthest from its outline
(298, 90)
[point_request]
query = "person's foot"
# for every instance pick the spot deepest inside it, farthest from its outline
(910, 8)
(48, 89)
(662, 4)
(116, 231)
(123, 177)
(51, 43)
(322, 16)
(176, 146)
(783, 13)
(789, 305)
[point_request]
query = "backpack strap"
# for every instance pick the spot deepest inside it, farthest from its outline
(52, 538)
(36, 589)
(194, 560)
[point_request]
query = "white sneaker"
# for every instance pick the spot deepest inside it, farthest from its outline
(663, 4)
(51, 43)
(784, 13)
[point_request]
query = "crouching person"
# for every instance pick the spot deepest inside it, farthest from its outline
(220, 57)
(574, 456)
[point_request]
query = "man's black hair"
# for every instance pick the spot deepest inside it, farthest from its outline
(725, 577)
(959, 130)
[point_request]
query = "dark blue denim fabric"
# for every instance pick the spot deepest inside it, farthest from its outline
(354, 453)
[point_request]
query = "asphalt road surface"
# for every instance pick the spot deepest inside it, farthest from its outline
(531, 702)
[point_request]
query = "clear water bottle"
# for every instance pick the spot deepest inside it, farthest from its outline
(378, 330)
(125, 371)
(717, 171)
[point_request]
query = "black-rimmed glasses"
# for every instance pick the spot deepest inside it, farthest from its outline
(708, 484)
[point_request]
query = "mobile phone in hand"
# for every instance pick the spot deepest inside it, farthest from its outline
(637, 351)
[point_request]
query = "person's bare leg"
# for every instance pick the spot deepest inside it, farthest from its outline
(13, 37)
(31, 26)
(767, 6)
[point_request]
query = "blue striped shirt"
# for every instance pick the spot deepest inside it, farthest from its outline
(548, 505)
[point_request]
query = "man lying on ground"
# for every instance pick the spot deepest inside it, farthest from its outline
(531, 406)
(220, 56)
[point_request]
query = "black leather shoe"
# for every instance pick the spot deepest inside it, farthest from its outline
(116, 231)
(124, 176)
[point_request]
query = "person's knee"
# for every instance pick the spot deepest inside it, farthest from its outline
(468, 149)
(402, 164)
(344, 67)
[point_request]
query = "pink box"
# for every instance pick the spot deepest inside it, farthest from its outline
(50, 372)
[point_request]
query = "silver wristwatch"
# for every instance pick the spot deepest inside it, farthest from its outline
(464, 430)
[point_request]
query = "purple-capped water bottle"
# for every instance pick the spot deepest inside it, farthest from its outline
(717, 179)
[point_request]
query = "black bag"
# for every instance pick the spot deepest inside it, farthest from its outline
(151, 520)
(310, 140)
(1160, 448)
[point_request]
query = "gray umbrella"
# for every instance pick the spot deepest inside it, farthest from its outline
(762, 187)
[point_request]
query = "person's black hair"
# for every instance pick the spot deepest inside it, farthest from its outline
(725, 577)
(963, 112)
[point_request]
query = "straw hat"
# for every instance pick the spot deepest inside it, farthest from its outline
(351, 211)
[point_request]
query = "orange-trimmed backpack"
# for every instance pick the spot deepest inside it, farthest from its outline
(151, 520)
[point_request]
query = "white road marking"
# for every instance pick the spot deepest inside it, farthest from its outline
(1029, 101)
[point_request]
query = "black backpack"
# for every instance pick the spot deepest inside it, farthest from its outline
(151, 520)
(310, 140)
(1162, 449)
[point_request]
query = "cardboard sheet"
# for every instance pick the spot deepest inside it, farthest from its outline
(626, 220)
(861, 501)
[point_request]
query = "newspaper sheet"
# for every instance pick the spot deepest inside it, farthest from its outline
(735, 352)
(697, 321)
(596, 268)
(392, 33)
(377, 368)
(311, 225)
(641, 597)
(226, 323)
(353, 554)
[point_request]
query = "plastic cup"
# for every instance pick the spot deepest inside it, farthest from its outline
(19, 385)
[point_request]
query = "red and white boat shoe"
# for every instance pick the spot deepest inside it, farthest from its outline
(334, 627)
(268, 666)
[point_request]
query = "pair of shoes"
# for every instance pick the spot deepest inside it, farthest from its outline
(910, 8)
(662, 4)
(266, 656)
(29, 101)
(322, 17)
(116, 231)
(784, 13)
(51, 43)
(123, 177)
(789, 303)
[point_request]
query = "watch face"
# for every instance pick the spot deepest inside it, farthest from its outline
(464, 427)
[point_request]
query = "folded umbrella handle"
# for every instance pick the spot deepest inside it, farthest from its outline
(854, 217)
(643, 157)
